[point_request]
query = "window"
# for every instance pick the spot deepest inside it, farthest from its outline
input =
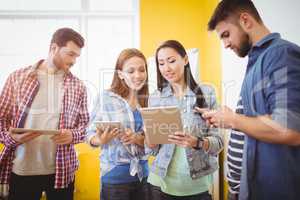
(108, 27)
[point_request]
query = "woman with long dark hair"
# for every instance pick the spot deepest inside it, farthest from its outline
(123, 165)
(183, 169)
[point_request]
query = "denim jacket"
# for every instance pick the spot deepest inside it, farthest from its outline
(112, 107)
(200, 162)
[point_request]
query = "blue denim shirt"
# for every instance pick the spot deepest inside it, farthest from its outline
(112, 107)
(271, 87)
(200, 162)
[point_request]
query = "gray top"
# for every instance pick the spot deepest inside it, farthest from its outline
(37, 157)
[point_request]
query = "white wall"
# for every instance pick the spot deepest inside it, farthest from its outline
(107, 26)
(279, 16)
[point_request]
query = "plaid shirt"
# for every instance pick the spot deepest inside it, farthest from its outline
(112, 107)
(15, 101)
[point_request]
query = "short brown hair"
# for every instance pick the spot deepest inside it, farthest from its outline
(64, 35)
(119, 87)
(232, 8)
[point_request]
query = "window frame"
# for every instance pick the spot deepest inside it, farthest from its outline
(82, 15)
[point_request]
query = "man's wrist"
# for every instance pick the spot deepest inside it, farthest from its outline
(235, 121)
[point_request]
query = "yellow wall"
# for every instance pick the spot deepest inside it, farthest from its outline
(87, 179)
(185, 21)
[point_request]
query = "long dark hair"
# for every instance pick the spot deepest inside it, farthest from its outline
(188, 77)
(119, 86)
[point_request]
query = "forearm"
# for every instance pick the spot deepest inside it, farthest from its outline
(79, 132)
(5, 125)
(265, 129)
(7, 140)
(5, 137)
(78, 135)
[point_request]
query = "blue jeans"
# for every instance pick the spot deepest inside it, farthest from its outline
(128, 191)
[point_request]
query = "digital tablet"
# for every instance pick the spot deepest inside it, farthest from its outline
(159, 122)
(102, 125)
(42, 131)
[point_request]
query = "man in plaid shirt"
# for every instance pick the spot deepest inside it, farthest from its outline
(45, 95)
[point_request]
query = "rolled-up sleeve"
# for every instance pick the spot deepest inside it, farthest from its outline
(283, 87)
(6, 112)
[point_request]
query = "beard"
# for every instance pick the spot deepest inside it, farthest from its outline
(245, 45)
(59, 63)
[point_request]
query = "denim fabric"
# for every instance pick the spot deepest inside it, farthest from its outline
(200, 162)
(120, 174)
(271, 87)
(111, 107)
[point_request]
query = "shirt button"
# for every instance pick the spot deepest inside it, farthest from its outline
(194, 176)
(184, 110)
(190, 159)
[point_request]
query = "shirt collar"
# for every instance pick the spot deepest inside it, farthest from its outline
(266, 39)
(34, 67)
(115, 95)
(167, 91)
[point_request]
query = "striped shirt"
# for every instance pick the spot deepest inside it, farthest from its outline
(15, 101)
(235, 156)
